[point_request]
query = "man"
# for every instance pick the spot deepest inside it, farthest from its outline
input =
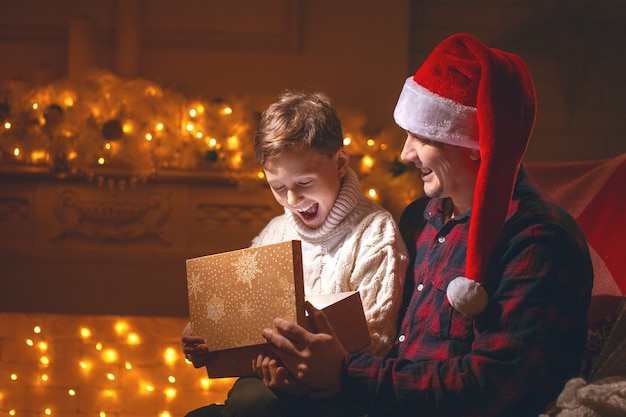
(500, 281)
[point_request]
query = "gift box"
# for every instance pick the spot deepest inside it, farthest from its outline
(234, 295)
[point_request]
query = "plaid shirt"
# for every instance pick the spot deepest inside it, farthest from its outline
(512, 359)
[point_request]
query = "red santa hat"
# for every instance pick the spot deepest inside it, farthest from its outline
(467, 94)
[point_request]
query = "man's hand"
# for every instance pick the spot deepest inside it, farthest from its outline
(313, 358)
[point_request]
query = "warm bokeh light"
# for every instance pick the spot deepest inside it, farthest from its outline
(133, 339)
(109, 355)
(347, 141)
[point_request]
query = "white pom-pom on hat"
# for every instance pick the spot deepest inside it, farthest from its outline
(467, 296)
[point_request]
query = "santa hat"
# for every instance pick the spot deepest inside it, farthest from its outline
(467, 94)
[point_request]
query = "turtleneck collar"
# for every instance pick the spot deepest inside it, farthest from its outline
(348, 198)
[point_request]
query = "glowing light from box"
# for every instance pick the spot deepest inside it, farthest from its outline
(7, 125)
(372, 193)
(71, 392)
(171, 379)
(101, 161)
(42, 346)
(45, 377)
(44, 360)
(16, 152)
(128, 365)
(12, 412)
(228, 110)
(347, 141)
(48, 411)
(110, 377)
(98, 346)
(30, 342)
(370, 142)
(13, 377)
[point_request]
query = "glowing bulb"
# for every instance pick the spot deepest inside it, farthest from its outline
(212, 142)
(205, 383)
(148, 137)
(347, 141)
(45, 377)
(170, 355)
(121, 327)
(84, 365)
(103, 414)
(110, 377)
(48, 411)
(193, 112)
(107, 146)
(170, 393)
(85, 333)
(42, 346)
(35, 106)
(199, 135)
(367, 161)
(12, 412)
(16, 153)
(128, 365)
(159, 126)
(7, 125)
(171, 379)
(69, 101)
(44, 360)
(13, 377)
(30, 342)
(101, 161)
(260, 175)
(189, 127)
(71, 392)
(228, 110)
(133, 339)
(233, 142)
(372, 193)
(149, 388)
(165, 414)
(371, 142)
(109, 356)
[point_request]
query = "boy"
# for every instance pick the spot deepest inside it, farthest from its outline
(348, 241)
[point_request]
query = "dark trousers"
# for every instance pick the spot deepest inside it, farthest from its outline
(249, 397)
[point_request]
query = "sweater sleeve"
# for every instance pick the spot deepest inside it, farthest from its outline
(379, 273)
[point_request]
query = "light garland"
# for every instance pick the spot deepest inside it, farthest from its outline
(120, 132)
(109, 375)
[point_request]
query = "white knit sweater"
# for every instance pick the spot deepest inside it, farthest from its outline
(358, 247)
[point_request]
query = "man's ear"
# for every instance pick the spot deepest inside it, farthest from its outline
(343, 161)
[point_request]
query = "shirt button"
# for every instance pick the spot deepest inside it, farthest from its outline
(441, 239)
(401, 338)
(420, 287)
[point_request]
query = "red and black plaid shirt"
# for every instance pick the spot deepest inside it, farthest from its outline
(512, 359)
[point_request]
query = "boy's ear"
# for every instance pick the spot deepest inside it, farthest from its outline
(343, 161)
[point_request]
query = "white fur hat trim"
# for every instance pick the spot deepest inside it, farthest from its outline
(467, 296)
(437, 118)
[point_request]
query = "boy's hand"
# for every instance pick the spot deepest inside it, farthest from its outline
(276, 377)
(313, 358)
(195, 349)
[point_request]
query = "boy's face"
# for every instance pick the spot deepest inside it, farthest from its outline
(307, 182)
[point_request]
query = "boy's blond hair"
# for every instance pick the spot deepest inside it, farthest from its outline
(298, 120)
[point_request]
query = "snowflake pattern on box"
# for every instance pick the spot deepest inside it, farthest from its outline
(234, 295)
